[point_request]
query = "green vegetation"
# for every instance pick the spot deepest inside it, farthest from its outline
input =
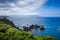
(45, 38)
(8, 32)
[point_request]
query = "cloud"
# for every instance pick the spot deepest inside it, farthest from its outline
(4, 1)
(20, 7)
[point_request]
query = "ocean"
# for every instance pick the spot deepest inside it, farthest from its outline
(52, 24)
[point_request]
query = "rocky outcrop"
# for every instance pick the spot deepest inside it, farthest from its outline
(33, 26)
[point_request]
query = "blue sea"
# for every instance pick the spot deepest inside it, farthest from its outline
(52, 24)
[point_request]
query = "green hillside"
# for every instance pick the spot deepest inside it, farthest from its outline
(8, 32)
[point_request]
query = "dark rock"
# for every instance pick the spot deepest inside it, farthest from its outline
(33, 27)
(26, 28)
(42, 27)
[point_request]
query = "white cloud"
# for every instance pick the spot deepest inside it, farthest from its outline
(21, 7)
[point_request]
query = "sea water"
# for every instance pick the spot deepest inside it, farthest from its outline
(52, 24)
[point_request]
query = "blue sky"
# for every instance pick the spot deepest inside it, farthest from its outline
(44, 8)
(50, 9)
(54, 3)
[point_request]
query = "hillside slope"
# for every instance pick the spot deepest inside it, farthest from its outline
(9, 32)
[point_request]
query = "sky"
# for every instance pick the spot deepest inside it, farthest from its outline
(44, 8)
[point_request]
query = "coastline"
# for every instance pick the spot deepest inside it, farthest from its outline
(8, 22)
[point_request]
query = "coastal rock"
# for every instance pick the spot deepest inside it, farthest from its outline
(42, 27)
(33, 27)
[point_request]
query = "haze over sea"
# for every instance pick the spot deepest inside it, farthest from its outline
(52, 24)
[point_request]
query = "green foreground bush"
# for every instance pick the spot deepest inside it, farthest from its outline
(8, 32)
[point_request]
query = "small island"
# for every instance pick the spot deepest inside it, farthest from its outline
(8, 31)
